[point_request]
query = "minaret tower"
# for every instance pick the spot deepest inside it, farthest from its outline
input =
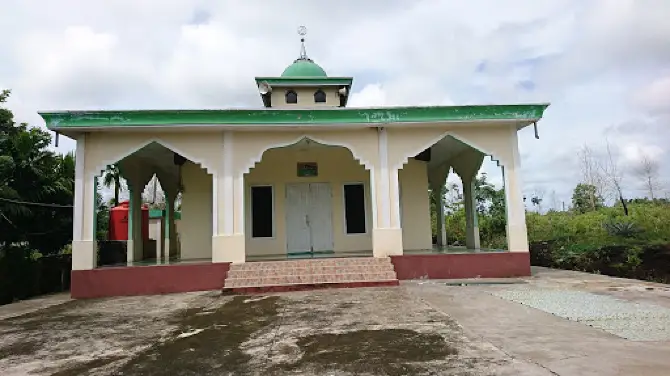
(304, 84)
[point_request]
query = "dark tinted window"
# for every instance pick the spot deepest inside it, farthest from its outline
(291, 96)
(319, 96)
(261, 212)
(354, 208)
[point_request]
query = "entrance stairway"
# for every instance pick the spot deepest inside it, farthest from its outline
(293, 275)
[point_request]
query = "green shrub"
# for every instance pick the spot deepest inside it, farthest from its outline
(622, 229)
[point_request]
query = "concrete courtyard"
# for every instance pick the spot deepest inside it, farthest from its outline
(552, 323)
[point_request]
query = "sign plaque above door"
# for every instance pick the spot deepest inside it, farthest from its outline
(308, 169)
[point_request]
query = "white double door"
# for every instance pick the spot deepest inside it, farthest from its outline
(309, 217)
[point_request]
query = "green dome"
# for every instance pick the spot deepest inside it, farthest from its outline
(304, 68)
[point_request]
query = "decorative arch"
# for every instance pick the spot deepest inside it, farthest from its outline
(463, 170)
(100, 168)
(164, 183)
(357, 156)
(143, 178)
(458, 137)
(258, 157)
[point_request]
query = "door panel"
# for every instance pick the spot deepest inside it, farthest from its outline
(321, 216)
(309, 218)
(297, 229)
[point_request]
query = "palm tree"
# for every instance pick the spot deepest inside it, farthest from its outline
(36, 187)
(112, 176)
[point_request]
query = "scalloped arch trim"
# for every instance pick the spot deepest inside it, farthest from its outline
(257, 158)
(494, 157)
(100, 168)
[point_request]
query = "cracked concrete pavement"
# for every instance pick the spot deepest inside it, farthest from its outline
(419, 328)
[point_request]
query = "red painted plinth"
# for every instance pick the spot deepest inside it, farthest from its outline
(306, 286)
(462, 265)
(147, 280)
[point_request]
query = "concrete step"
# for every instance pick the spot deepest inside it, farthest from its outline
(310, 279)
(291, 275)
(234, 273)
(311, 262)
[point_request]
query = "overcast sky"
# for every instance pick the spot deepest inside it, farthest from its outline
(603, 64)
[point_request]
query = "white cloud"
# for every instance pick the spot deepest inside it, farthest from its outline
(655, 97)
(634, 152)
(372, 95)
(602, 63)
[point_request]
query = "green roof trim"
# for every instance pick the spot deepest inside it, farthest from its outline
(306, 81)
(292, 117)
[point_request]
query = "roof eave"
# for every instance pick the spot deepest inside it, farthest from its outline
(73, 132)
(305, 116)
(306, 81)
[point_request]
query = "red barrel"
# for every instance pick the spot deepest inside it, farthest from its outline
(118, 222)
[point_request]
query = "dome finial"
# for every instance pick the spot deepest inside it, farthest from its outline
(302, 31)
(303, 66)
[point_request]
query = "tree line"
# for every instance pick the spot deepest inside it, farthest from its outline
(36, 195)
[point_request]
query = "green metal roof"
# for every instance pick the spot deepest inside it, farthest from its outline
(291, 117)
(304, 68)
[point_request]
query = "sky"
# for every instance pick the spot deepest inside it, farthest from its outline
(604, 65)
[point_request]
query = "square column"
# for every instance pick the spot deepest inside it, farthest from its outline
(517, 235)
(467, 165)
(130, 242)
(228, 239)
(386, 232)
(472, 240)
(135, 245)
(84, 245)
(441, 225)
(437, 178)
(169, 232)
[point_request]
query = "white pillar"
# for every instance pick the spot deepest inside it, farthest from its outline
(171, 246)
(470, 203)
(168, 227)
(517, 236)
(130, 243)
(160, 239)
(467, 165)
(387, 233)
(84, 248)
(441, 228)
(135, 246)
(437, 178)
(228, 239)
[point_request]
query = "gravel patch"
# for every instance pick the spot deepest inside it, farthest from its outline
(629, 320)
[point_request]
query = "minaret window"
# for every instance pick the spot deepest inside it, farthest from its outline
(319, 96)
(291, 96)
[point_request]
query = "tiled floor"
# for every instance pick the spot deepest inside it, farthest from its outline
(154, 262)
(315, 255)
(307, 255)
(435, 250)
